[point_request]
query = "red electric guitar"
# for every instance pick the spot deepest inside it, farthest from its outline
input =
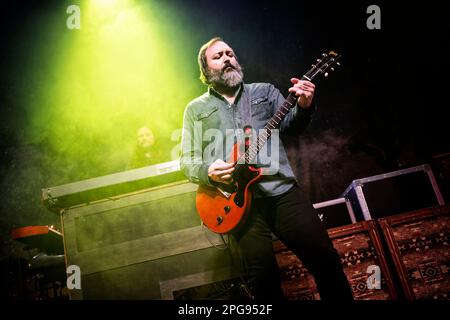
(225, 207)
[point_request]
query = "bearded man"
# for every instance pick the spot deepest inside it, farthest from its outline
(279, 206)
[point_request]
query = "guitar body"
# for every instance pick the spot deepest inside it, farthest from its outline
(224, 208)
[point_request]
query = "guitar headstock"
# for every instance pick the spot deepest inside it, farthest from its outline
(324, 65)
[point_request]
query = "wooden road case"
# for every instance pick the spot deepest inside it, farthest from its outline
(360, 249)
(419, 245)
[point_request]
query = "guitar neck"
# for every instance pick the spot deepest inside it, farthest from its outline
(320, 67)
(266, 132)
(273, 123)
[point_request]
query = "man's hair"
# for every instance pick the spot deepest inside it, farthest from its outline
(202, 63)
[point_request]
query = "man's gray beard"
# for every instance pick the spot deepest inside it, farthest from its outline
(229, 79)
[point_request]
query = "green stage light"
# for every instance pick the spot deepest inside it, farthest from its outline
(123, 69)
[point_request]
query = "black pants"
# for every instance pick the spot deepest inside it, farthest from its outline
(292, 219)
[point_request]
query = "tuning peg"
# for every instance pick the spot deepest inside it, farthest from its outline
(324, 54)
(337, 63)
(318, 60)
(326, 74)
(332, 69)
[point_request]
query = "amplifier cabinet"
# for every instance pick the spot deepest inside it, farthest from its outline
(361, 252)
(127, 246)
(418, 242)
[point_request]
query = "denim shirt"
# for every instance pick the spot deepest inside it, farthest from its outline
(212, 111)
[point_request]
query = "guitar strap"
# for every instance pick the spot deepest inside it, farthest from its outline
(247, 120)
(247, 109)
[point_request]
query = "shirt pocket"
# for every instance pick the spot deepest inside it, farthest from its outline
(209, 119)
(261, 108)
(206, 114)
(260, 100)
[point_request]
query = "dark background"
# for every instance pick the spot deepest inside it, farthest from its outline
(384, 109)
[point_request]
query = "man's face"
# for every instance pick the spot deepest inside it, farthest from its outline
(223, 67)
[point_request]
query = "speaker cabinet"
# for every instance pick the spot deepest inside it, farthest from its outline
(129, 245)
(418, 242)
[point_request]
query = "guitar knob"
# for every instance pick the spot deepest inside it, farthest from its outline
(227, 209)
(219, 220)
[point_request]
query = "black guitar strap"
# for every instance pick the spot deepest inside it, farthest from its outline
(247, 109)
(247, 120)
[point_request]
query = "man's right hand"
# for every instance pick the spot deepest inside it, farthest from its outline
(220, 171)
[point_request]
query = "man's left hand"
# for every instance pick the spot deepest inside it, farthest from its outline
(304, 90)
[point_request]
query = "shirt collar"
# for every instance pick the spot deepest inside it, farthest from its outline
(213, 92)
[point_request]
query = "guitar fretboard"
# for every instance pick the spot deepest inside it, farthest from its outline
(250, 154)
